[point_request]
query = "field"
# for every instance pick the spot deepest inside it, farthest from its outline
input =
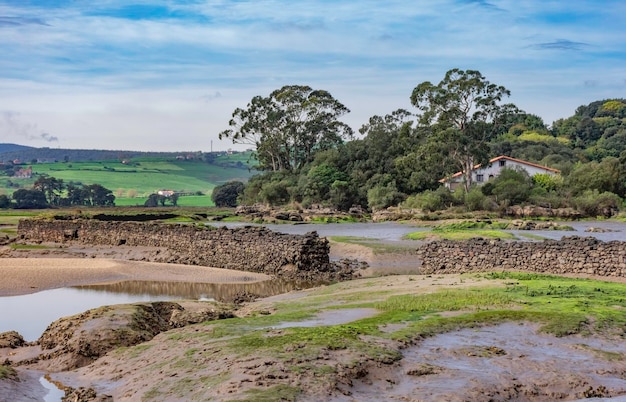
(133, 181)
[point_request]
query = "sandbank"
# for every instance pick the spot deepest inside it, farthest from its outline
(30, 275)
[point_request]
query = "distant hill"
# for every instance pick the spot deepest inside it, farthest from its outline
(4, 148)
(9, 152)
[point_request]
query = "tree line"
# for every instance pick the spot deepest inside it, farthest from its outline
(49, 191)
(307, 156)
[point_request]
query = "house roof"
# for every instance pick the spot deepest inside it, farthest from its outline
(497, 158)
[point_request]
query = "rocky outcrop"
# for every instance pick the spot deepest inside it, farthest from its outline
(78, 340)
(255, 249)
(11, 339)
(570, 255)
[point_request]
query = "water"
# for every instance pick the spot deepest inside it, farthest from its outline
(384, 231)
(31, 314)
(394, 232)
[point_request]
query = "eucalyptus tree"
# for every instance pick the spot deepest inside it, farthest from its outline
(289, 126)
(462, 111)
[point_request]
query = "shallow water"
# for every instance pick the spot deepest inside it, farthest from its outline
(509, 360)
(394, 232)
(31, 314)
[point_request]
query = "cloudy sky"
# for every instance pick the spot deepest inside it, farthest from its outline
(166, 75)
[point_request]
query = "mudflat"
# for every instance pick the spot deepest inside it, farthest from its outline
(29, 275)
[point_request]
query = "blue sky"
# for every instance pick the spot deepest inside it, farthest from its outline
(166, 75)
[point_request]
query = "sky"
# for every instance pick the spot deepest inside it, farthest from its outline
(167, 75)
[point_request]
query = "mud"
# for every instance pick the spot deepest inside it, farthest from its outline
(509, 362)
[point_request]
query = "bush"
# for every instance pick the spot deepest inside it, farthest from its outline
(430, 200)
(5, 201)
(592, 203)
(380, 197)
(226, 195)
(475, 200)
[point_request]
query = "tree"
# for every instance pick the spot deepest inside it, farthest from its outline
(463, 111)
(5, 201)
(289, 127)
(51, 187)
(225, 195)
(30, 199)
(98, 195)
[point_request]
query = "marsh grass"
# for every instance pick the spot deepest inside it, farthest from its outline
(460, 234)
(560, 306)
(375, 244)
(453, 300)
(281, 392)
(28, 246)
(7, 372)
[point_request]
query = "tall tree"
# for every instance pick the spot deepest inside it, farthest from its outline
(463, 111)
(289, 127)
(51, 187)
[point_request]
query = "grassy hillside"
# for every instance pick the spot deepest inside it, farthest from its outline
(133, 181)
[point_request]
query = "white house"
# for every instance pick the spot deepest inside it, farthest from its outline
(482, 174)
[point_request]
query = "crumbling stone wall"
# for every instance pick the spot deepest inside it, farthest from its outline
(255, 249)
(570, 255)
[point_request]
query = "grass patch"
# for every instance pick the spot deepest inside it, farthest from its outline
(460, 234)
(7, 372)
(375, 244)
(281, 392)
(28, 246)
(452, 300)
(532, 236)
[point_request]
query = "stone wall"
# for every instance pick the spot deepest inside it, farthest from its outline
(255, 249)
(570, 255)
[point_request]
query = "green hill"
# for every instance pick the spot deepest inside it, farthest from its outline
(133, 180)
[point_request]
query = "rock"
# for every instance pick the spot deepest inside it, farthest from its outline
(11, 339)
(78, 340)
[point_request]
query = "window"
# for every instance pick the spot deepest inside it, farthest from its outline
(502, 163)
(480, 178)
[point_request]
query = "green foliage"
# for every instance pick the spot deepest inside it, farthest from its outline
(593, 203)
(29, 199)
(548, 182)
(475, 200)
(431, 200)
(226, 195)
(511, 187)
(5, 201)
(383, 196)
(289, 126)
(463, 112)
(271, 188)
(538, 137)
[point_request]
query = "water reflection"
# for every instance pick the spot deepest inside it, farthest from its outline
(31, 314)
(225, 292)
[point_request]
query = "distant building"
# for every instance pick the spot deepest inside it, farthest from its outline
(24, 173)
(481, 174)
(166, 193)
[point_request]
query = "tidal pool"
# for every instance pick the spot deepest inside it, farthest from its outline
(31, 314)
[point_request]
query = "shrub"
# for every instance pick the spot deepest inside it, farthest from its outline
(592, 203)
(431, 200)
(225, 195)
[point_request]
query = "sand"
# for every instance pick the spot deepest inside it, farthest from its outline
(30, 275)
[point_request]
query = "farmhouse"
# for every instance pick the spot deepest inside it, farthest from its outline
(24, 173)
(481, 174)
(166, 193)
